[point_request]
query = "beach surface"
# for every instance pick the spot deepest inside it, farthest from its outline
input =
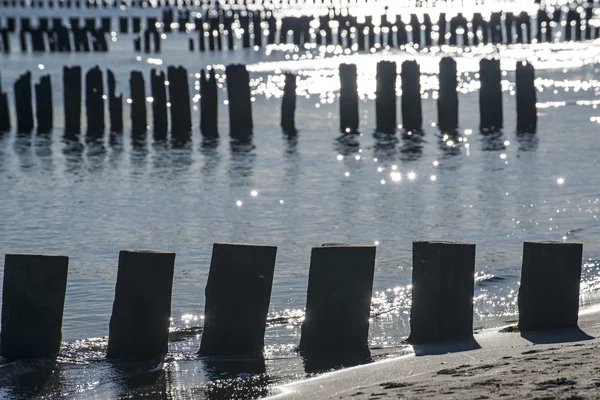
(540, 365)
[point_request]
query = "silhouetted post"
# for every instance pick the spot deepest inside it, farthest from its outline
(496, 27)
(240, 102)
(526, 98)
(238, 292)
(416, 30)
(159, 104)
(142, 304)
(147, 41)
(72, 99)
(139, 116)
(4, 111)
(94, 101)
(22, 88)
(549, 290)
(245, 24)
(338, 303)
(137, 24)
(157, 41)
(137, 44)
(209, 104)
(490, 95)
(349, 119)
(412, 113)
(448, 97)
(191, 44)
(385, 101)
(442, 29)
(5, 40)
(179, 97)
(123, 25)
(288, 104)
(442, 291)
(33, 297)
(43, 105)
(115, 105)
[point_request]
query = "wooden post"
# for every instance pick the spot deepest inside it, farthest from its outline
(43, 105)
(385, 101)
(349, 119)
(22, 89)
(179, 97)
(4, 111)
(447, 102)
(240, 103)
(442, 291)
(526, 98)
(338, 304)
(209, 104)
(123, 25)
(142, 304)
(238, 292)
(412, 113)
(490, 95)
(94, 101)
(33, 298)
(72, 99)
(288, 104)
(549, 290)
(159, 104)
(115, 105)
(139, 117)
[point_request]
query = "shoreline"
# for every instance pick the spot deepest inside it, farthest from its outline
(543, 364)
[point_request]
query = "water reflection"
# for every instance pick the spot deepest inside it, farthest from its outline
(236, 378)
(292, 158)
(449, 143)
(24, 151)
(28, 379)
(492, 141)
(209, 149)
(385, 147)
(115, 141)
(43, 151)
(96, 151)
(73, 152)
(141, 379)
(347, 144)
(527, 141)
(139, 154)
(412, 145)
(317, 362)
(241, 162)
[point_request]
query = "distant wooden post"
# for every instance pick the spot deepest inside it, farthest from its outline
(447, 102)
(115, 105)
(4, 111)
(179, 98)
(349, 119)
(443, 279)
(72, 99)
(385, 101)
(288, 104)
(23, 105)
(159, 104)
(43, 105)
(142, 304)
(490, 95)
(549, 290)
(240, 102)
(139, 117)
(209, 104)
(412, 112)
(238, 292)
(526, 98)
(94, 101)
(338, 304)
(33, 298)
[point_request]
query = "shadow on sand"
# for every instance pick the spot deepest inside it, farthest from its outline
(452, 346)
(556, 336)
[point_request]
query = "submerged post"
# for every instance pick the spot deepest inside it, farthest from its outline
(338, 303)
(22, 88)
(443, 279)
(288, 104)
(490, 95)
(549, 290)
(349, 119)
(33, 297)
(142, 304)
(139, 115)
(385, 102)
(447, 102)
(240, 102)
(238, 292)
(526, 98)
(43, 105)
(412, 112)
(115, 105)
(72, 99)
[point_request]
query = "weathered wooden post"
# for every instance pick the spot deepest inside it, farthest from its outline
(159, 104)
(5, 124)
(72, 99)
(142, 304)
(43, 105)
(33, 297)
(139, 115)
(94, 101)
(179, 97)
(123, 25)
(22, 88)
(209, 104)
(447, 102)
(526, 98)
(238, 292)
(349, 119)
(240, 102)
(549, 290)
(385, 101)
(338, 303)
(443, 279)
(490, 95)
(412, 113)
(288, 104)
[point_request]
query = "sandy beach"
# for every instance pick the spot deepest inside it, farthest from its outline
(541, 365)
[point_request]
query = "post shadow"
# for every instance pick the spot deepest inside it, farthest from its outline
(492, 140)
(527, 141)
(347, 144)
(445, 347)
(556, 336)
(412, 144)
(318, 362)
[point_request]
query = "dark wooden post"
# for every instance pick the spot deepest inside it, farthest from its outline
(385, 102)
(179, 97)
(72, 99)
(209, 104)
(43, 105)
(142, 304)
(349, 119)
(288, 104)
(490, 95)
(22, 88)
(240, 103)
(442, 291)
(549, 290)
(115, 105)
(238, 292)
(33, 298)
(4, 111)
(94, 101)
(526, 98)
(447, 102)
(338, 303)
(139, 117)
(159, 104)
(412, 113)
(123, 25)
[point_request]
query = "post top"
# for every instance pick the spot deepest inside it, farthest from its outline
(553, 243)
(35, 255)
(345, 245)
(147, 251)
(242, 245)
(446, 242)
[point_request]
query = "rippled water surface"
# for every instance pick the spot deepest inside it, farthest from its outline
(91, 198)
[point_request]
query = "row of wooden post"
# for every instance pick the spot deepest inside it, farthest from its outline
(238, 292)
